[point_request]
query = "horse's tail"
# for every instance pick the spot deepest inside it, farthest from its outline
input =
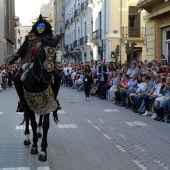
(26, 116)
(55, 116)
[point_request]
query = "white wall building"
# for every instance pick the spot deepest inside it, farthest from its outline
(7, 29)
(95, 28)
(59, 27)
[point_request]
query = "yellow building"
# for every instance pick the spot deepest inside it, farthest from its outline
(157, 27)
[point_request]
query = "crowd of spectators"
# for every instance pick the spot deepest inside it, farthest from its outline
(6, 76)
(143, 87)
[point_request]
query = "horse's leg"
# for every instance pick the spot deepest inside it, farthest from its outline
(34, 149)
(39, 131)
(46, 123)
(27, 133)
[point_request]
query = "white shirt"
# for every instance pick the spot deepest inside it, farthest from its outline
(142, 87)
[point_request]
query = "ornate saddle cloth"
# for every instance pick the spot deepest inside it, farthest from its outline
(41, 103)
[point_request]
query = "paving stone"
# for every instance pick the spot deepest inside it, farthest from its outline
(112, 146)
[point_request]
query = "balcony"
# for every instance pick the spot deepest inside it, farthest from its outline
(147, 3)
(82, 41)
(97, 1)
(62, 30)
(76, 43)
(77, 14)
(96, 35)
(132, 32)
(68, 23)
(84, 7)
(88, 40)
(90, 4)
(70, 47)
(66, 48)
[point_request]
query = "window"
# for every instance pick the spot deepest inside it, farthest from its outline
(168, 35)
(132, 20)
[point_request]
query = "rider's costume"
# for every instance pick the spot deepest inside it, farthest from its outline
(41, 34)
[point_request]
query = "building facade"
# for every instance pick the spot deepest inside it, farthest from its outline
(157, 28)
(59, 27)
(7, 29)
(21, 32)
(100, 30)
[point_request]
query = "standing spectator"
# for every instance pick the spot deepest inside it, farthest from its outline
(9, 72)
(73, 74)
(4, 77)
(67, 73)
(87, 81)
(94, 69)
(102, 72)
(0, 80)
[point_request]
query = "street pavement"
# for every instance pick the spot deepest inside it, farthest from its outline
(91, 135)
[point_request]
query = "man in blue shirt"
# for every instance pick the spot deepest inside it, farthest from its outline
(102, 73)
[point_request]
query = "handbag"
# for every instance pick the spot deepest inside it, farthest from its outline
(162, 98)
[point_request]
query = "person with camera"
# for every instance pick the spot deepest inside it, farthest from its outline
(87, 81)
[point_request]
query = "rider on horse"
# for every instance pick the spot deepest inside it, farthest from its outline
(41, 34)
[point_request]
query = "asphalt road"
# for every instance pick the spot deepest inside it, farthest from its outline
(91, 135)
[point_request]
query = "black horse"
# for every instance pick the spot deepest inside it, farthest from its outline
(39, 96)
(27, 131)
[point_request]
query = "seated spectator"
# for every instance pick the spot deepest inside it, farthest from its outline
(141, 95)
(73, 74)
(159, 104)
(141, 88)
(132, 86)
(167, 112)
(78, 83)
(111, 91)
(150, 97)
(122, 86)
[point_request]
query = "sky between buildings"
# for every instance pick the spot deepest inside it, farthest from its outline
(28, 9)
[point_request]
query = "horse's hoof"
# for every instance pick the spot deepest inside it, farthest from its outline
(39, 135)
(42, 157)
(27, 142)
(34, 150)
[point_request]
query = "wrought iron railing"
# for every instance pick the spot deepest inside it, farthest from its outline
(97, 35)
(82, 41)
(76, 43)
(133, 32)
(77, 13)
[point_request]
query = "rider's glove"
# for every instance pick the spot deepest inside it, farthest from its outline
(13, 58)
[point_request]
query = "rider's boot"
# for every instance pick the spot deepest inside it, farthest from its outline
(20, 92)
